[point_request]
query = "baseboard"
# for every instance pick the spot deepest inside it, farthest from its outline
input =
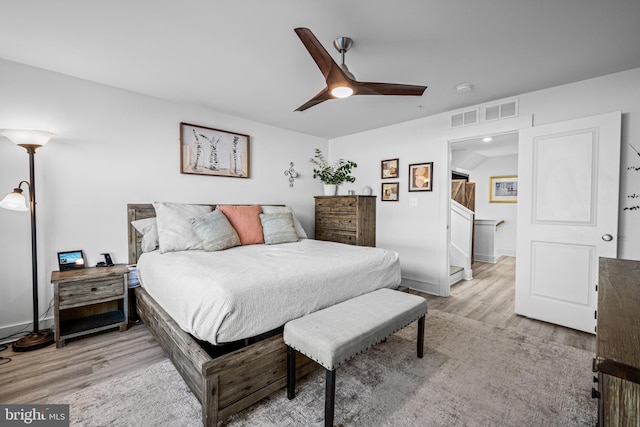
(485, 258)
(506, 252)
(7, 332)
(426, 287)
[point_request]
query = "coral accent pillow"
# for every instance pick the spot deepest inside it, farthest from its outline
(246, 221)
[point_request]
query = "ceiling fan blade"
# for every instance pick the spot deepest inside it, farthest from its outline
(322, 96)
(368, 88)
(332, 73)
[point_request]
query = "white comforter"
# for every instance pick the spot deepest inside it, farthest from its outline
(248, 290)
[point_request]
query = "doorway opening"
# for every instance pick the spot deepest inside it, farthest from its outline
(482, 229)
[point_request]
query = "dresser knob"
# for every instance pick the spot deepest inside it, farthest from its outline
(595, 394)
(94, 289)
(595, 379)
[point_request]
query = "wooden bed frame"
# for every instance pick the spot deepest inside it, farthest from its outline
(225, 384)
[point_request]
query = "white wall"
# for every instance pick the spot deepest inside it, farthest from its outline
(505, 237)
(115, 147)
(419, 233)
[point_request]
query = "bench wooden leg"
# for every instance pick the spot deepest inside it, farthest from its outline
(329, 398)
(291, 373)
(421, 337)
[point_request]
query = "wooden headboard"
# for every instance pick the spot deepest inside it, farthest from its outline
(134, 239)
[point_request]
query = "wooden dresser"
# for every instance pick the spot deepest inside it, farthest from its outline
(346, 219)
(617, 359)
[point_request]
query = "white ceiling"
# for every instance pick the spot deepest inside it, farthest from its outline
(243, 58)
(468, 154)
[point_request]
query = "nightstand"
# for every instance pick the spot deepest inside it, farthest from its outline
(89, 300)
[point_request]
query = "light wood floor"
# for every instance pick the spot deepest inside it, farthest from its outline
(490, 298)
(40, 376)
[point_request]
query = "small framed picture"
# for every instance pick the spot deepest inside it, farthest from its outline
(421, 176)
(390, 191)
(213, 152)
(389, 168)
(503, 189)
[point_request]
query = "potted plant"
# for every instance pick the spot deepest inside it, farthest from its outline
(332, 175)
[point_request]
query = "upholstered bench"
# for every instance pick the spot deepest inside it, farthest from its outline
(335, 334)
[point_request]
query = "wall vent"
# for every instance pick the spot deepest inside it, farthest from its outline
(501, 111)
(465, 118)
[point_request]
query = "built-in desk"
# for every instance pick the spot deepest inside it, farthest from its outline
(618, 343)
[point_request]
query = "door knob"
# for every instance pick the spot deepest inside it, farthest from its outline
(607, 237)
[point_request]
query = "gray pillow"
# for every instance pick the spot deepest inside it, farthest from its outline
(279, 209)
(278, 228)
(216, 231)
(174, 226)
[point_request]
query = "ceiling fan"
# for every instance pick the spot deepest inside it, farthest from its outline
(340, 82)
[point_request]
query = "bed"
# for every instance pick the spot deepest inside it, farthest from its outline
(228, 360)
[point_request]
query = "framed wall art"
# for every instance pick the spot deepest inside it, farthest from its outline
(389, 168)
(421, 176)
(390, 191)
(503, 189)
(214, 152)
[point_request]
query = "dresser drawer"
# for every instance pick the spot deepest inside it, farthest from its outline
(337, 204)
(336, 236)
(337, 221)
(90, 292)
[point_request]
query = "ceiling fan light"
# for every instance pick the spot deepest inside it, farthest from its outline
(342, 91)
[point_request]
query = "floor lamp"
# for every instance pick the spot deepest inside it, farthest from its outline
(31, 140)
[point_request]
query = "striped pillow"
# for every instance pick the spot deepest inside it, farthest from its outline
(278, 228)
(215, 231)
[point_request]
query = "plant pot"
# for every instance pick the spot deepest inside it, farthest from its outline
(330, 189)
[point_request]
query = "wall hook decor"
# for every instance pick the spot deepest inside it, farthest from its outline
(291, 173)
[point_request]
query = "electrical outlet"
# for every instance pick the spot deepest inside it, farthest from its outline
(413, 201)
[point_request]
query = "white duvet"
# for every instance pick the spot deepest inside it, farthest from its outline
(248, 290)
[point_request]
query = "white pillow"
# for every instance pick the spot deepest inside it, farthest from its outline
(282, 209)
(174, 226)
(149, 230)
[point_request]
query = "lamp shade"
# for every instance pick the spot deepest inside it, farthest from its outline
(27, 137)
(15, 201)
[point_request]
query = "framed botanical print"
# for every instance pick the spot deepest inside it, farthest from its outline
(421, 176)
(503, 189)
(214, 152)
(389, 168)
(390, 191)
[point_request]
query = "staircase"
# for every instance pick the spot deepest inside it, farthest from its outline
(455, 274)
(461, 245)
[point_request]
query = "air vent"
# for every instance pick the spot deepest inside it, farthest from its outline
(465, 118)
(501, 111)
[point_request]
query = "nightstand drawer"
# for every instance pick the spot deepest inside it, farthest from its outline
(90, 292)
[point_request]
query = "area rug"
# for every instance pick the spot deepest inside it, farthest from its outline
(472, 374)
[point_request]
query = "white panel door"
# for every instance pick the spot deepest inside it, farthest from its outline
(567, 217)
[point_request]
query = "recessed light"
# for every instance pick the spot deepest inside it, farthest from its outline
(487, 139)
(464, 87)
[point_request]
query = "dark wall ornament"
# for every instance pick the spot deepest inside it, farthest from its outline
(633, 199)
